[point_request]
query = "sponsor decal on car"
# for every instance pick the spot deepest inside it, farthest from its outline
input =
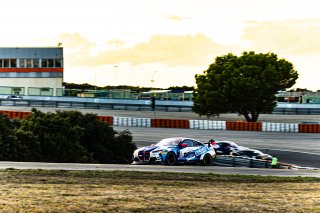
(201, 151)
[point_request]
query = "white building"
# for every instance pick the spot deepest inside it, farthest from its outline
(31, 71)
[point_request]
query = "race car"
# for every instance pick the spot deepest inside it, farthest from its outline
(227, 147)
(252, 153)
(172, 151)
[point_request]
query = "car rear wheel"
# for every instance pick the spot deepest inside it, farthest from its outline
(207, 160)
(171, 159)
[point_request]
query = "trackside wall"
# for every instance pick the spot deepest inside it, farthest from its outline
(193, 124)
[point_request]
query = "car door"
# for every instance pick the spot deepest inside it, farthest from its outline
(224, 148)
(187, 150)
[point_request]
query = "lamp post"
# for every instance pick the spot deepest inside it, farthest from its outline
(152, 79)
(115, 73)
(153, 98)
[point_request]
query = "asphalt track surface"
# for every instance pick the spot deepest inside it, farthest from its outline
(302, 149)
(161, 168)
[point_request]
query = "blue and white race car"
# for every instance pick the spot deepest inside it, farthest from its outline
(171, 151)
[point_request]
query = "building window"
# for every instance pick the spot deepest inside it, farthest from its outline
(28, 62)
(50, 62)
(22, 63)
(36, 62)
(57, 63)
(44, 62)
(6, 62)
(13, 62)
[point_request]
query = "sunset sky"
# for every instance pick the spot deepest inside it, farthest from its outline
(132, 42)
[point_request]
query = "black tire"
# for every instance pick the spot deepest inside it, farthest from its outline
(171, 159)
(207, 160)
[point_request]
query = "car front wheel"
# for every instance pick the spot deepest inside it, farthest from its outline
(171, 159)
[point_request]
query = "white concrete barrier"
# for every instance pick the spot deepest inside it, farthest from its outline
(280, 127)
(129, 121)
(207, 124)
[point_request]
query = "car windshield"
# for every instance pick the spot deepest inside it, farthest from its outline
(256, 152)
(228, 143)
(169, 142)
(252, 153)
(233, 144)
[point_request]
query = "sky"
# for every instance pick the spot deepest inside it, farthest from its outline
(163, 43)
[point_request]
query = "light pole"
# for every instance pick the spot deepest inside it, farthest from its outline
(153, 98)
(115, 73)
(152, 79)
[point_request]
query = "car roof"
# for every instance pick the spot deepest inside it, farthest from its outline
(253, 150)
(180, 139)
(230, 142)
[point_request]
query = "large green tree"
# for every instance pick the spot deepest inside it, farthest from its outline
(246, 84)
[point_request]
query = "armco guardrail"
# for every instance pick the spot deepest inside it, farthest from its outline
(226, 160)
(138, 104)
(98, 103)
(237, 161)
(193, 124)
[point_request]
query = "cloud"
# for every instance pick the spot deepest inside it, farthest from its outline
(116, 43)
(172, 50)
(294, 37)
(74, 40)
(177, 18)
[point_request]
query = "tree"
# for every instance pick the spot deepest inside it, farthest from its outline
(11, 147)
(70, 136)
(299, 90)
(246, 84)
(58, 138)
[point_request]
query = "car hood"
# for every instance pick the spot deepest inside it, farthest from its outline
(153, 148)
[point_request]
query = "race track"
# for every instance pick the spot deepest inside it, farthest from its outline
(302, 149)
(161, 168)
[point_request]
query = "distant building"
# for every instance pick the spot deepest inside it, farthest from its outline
(31, 71)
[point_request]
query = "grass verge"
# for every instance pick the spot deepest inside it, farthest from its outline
(104, 191)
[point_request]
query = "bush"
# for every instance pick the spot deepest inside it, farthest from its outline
(64, 136)
(11, 148)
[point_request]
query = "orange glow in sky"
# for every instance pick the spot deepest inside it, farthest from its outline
(132, 42)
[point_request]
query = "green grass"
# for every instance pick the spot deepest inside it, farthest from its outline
(119, 191)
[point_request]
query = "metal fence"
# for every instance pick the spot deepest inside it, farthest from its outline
(138, 105)
(238, 161)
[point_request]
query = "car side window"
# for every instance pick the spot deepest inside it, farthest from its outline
(196, 143)
(188, 142)
(248, 153)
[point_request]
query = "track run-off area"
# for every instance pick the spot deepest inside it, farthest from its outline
(301, 149)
